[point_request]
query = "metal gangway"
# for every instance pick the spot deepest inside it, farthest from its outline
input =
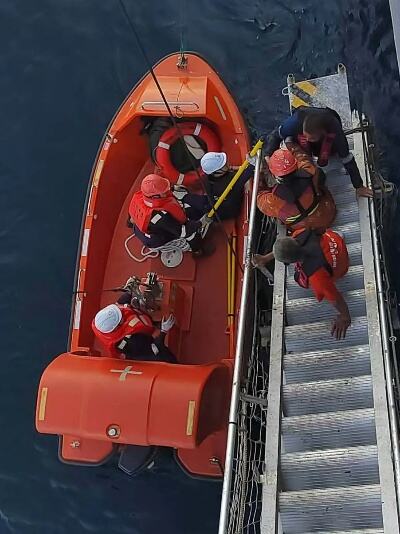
(331, 455)
(315, 447)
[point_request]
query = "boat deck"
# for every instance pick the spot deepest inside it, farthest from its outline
(206, 318)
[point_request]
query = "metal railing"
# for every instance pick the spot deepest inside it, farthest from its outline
(248, 280)
(383, 191)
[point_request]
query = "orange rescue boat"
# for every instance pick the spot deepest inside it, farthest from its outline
(100, 405)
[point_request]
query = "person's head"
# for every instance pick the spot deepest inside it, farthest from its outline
(287, 250)
(282, 162)
(107, 319)
(155, 186)
(215, 163)
(314, 127)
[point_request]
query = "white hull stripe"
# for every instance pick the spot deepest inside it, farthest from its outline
(220, 108)
(164, 145)
(85, 241)
(197, 129)
(77, 314)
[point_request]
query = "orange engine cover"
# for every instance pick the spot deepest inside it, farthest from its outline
(145, 403)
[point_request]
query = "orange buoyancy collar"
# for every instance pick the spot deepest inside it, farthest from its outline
(326, 147)
(141, 209)
(133, 322)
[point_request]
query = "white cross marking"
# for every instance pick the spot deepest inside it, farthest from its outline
(125, 372)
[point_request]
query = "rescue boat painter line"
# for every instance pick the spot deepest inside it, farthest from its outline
(42, 404)
(190, 417)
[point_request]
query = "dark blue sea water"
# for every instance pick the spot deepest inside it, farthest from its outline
(65, 67)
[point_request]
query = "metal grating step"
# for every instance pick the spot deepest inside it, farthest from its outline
(343, 187)
(329, 468)
(363, 531)
(350, 230)
(327, 396)
(344, 196)
(347, 213)
(353, 428)
(313, 336)
(326, 364)
(354, 279)
(354, 507)
(355, 255)
(309, 310)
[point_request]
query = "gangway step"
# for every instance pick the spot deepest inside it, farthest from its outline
(314, 336)
(355, 428)
(350, 230)
(344, 197)
(355, 466)
(363, 531)
(327, 396)
(347, 213)
(354, 279)
(309, 310)
(326, 364)
(327, 510)
(341, 188)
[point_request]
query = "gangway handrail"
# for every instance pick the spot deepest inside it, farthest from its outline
(237, 372)
(393, 418)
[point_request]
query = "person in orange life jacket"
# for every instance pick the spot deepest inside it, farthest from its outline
(320, 133)
(299, 198)
(126, 332)
(219, 173)
(320, 260)
(158, 217)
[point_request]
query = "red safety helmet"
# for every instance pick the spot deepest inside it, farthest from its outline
(154, 185)
(282, 162)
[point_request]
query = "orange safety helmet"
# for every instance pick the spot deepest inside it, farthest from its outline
(282, 162)
(154, 185)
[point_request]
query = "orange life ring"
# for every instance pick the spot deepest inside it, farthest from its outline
(170, 136)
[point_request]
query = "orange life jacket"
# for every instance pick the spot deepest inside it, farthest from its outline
(141, 209)
(133, 322)
(326, 147)
(275, 204)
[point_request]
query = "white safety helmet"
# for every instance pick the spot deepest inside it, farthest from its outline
(213, 161)
(108, 319)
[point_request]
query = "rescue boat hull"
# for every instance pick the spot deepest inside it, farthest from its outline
(83, 394)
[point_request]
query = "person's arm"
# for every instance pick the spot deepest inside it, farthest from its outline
(349, 163)
(343, 320)
(273, 140)
(291, 127)
(125, 298)
(166, 325)
(260, 260)
(164, 222)
(324, 287)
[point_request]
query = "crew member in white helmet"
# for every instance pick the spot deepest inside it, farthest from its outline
(126, 332)
(219, 173)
